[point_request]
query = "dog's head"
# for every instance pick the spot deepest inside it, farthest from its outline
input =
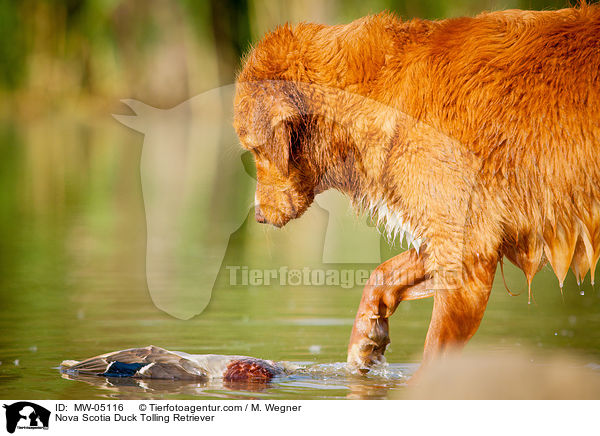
(270, 124)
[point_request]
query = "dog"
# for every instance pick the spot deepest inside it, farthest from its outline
(475, 138)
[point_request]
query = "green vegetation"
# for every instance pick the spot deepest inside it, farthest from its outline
(89, 53)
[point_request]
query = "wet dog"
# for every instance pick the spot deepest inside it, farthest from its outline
(474, 138)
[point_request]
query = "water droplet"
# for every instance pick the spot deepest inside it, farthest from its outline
(16, 362)
(555, 333)
(582, 292)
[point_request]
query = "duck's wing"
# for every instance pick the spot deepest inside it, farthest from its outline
(147, 362)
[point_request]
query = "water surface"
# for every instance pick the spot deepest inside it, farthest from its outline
(73, 285)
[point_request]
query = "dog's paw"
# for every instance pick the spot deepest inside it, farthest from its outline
(367, 351)
(365, 355)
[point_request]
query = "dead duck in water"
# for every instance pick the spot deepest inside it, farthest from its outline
(153, 362)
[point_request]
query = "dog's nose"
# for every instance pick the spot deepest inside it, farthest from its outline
(258, 216)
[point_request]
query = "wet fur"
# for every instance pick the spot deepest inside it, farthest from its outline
(478, 137)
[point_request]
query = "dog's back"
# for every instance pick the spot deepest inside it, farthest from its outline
(521, 91)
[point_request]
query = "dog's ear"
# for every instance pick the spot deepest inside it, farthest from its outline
(279, 148)
(282, 120)
(272, 115)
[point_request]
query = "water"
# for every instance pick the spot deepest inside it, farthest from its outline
(323, 381)
(73, 285)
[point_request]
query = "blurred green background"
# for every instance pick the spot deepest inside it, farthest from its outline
(86, 54)
(72, 223)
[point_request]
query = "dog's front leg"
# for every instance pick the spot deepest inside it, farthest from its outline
(459, 304)
(400, 278)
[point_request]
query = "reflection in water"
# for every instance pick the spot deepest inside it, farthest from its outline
(309, 380)
(127, 388)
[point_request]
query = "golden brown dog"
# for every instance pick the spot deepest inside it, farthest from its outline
(476, 137)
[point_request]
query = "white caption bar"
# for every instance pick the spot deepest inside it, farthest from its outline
(264, 417)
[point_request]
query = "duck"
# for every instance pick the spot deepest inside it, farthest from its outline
(154, 362)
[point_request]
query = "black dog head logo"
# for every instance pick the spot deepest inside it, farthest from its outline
(27, 415)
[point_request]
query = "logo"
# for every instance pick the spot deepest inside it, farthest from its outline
(190, 155)
(26, 415)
